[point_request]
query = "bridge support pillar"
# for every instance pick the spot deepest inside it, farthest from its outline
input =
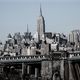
(70, 71)
(1, 69)
(66, 70)
(46, 70)
(62, 69)
(23, 70)
(28, 69)
(77, 70)
(36, 72)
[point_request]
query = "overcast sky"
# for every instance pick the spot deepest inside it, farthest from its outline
(60, 15)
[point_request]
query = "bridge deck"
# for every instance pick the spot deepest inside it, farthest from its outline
(38, 58)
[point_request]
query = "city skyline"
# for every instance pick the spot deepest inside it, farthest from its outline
(60, 16)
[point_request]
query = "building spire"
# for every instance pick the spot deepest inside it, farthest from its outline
(40, 10)
(27, 28)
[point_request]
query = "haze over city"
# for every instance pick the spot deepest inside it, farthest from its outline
(60, 15)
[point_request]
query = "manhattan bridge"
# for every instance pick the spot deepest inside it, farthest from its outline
(55, 66)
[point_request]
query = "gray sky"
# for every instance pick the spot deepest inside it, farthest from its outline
(60, 15)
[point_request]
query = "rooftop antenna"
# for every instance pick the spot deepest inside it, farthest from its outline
(27, 29)
(40, 10)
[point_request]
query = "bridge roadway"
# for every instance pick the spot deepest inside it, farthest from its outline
(39, 58)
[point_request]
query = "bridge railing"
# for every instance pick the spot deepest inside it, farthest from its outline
(74, 54)
(56, 55)
(31, 57)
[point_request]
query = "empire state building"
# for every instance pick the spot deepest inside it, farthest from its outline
(40, 25)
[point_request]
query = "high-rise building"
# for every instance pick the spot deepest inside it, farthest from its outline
(40, 25)
(27, 35)
(74, 36)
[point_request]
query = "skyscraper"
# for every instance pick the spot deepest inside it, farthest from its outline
(40, 25)
(74, 36)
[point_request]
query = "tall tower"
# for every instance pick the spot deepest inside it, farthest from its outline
(40, 25)
(27, 29)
